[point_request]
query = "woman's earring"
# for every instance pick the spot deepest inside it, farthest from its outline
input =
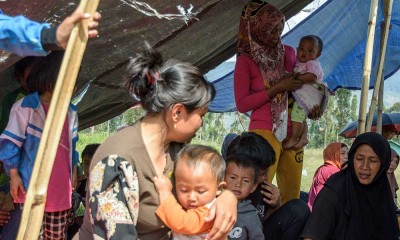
(174, 125)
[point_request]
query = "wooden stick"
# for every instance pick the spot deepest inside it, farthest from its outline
(384, 37)
(367, 67)
(32, 216)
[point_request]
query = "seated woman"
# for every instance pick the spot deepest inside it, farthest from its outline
(122, 199)
(334, 155)
(356, 202)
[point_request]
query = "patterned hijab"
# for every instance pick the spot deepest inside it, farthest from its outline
(258, 18)
(332, 154)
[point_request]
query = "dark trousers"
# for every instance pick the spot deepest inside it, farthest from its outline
(287, 222)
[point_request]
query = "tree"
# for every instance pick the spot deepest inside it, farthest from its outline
(394, 108)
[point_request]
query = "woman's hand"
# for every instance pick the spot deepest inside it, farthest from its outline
(287, 83)
(15, 183)
(315, 113)
(224, 210)
(4, 217)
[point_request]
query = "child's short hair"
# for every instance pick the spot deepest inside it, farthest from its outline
(314, 38)
(254, 147)
(44, 73)
(243, 161)
(90, 149)
(194, 155)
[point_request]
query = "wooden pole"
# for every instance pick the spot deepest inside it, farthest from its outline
(384, 37)
(32, 215)
(367, 67)
(380, 108)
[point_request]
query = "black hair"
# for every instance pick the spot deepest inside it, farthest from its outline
(21, 65)
(90, 149)
(243, 161)
(314, 38)
(254, 147)
(44, 73)
(160, 85)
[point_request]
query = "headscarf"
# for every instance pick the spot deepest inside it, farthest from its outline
(260, 16)
(332, 154)
(369, 208)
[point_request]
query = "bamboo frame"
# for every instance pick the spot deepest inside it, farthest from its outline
(32, 214)
(379, 78)
(367, 67)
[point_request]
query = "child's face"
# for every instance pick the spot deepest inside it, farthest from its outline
(240, 180)
(195, 187)
(307, 50)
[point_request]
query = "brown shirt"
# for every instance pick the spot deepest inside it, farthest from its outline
(128, 144)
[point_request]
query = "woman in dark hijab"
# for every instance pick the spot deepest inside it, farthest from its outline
(356, 203)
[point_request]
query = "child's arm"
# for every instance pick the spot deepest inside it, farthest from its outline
(313, 72)
(179, 220)
(15, 183)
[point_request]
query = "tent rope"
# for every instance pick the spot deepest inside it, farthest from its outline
(185, 15)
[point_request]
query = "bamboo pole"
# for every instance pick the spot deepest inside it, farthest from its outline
(32, 215)
(380, 108)
(384, 37)
(367, 66)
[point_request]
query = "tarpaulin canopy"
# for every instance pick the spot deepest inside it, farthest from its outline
(342, 25)
(205, 42)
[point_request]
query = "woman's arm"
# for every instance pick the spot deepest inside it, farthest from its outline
(224, 210)
(245, 72)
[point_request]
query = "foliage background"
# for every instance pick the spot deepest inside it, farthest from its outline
(342, 109)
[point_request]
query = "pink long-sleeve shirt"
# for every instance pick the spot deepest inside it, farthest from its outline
(250, 93)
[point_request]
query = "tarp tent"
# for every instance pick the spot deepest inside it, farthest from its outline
(206, 43)
(343, 26)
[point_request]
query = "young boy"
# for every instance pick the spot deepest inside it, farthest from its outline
(257, 149)
(241, 178)
(199, 178)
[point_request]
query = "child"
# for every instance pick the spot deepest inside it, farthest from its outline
(312, 93)
(256, 148)
(199, 178)
(241, 178)
(19, 144)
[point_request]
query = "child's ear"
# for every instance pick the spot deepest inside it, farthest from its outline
(254, 187)
(221, 186)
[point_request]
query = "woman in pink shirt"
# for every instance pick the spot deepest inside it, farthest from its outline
(262, 83)
(334, 154)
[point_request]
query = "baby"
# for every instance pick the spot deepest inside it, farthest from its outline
(312, 93)
(199, 174)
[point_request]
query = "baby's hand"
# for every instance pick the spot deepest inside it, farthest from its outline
(163, 186)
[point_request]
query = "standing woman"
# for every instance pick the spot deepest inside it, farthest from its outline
(122, 199)
(334, 154)
(356, 203)
(261, 86)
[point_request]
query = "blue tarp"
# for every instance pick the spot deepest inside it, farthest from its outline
(343, 26)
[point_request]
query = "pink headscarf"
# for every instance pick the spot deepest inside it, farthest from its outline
(258, 16)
